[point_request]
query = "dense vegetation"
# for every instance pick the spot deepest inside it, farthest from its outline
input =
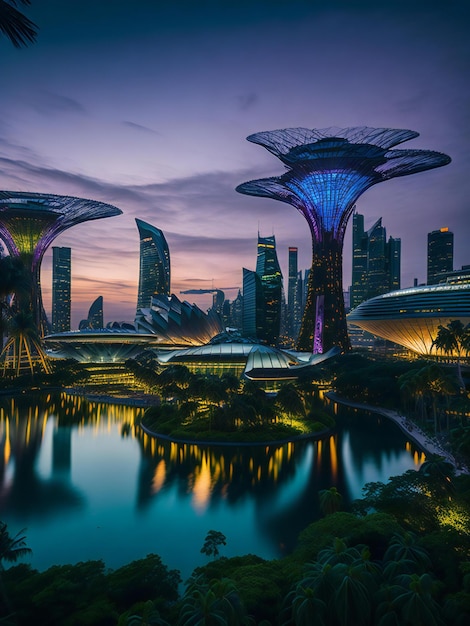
(209, 408)
(400, 556)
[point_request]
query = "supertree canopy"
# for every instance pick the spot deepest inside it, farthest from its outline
(326, 172)
(29, 222)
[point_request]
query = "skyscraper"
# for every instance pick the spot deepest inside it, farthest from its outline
(61, 289)
(375, 262)
(327, 171)
(292, 289)
(358, 292)
(440, 254)
(252, 315)
(269, 271)
(154, 273)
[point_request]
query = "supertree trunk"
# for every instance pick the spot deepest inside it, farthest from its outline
(324, 321)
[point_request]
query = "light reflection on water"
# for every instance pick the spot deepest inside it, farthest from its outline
(88, 483)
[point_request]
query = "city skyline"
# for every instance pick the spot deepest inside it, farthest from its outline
(153, 118)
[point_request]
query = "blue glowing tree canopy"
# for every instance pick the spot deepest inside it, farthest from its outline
(328, 169)
(326, 172)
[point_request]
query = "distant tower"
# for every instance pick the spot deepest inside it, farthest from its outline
(269, 271)
(440, 254)
(358, 291)
(61, 289)
(292, 290)
(236, 312)
(154, 274)
(326, 172)
(252, 316)
(375, 263)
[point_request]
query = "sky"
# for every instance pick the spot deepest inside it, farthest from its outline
(147, 106)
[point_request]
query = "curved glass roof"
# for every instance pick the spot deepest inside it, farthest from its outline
(411, 317)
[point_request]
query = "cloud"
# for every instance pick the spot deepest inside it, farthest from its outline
(140, 127)
(49, 103)
(247, 101)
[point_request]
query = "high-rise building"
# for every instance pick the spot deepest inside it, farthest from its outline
(252, 316)
(358, 291)
(269, 271)
(61, 289)
(375, 261)
(292, 292)
(154, 274)
(326, 172)
(440, 254)
(236, 312)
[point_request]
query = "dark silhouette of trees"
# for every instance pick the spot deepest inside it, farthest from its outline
(214, 539)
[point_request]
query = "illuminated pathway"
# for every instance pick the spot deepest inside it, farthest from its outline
(430, 446)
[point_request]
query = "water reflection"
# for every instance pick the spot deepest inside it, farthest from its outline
(74, 467)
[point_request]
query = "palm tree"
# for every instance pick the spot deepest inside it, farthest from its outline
(289, 400)
(330, 500)
(416, 604)
(404, 554)
(15, 25)
(11, 549)
(211, 604)
(453, 339)
(307, 607)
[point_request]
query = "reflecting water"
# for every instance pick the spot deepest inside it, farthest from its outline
(87, 483)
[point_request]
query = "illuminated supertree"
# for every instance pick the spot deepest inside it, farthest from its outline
(327, 170)
(29, 222)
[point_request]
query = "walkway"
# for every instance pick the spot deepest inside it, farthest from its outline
(424, 441)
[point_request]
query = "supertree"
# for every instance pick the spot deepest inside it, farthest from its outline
(327, 170)
(29, 222)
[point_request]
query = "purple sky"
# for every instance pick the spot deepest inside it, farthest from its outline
(147, 106)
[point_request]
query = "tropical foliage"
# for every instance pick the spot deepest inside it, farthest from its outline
(20, 30)
(454, 340)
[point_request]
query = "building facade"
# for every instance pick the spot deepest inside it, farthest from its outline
(154, 266)
(262, 295)
(61, 289)
(376, 262)
(440, 255)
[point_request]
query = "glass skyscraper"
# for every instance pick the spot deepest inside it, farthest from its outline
(440, 255)
(376, 262)
(154, 274)
(61, 289)
(262, 294)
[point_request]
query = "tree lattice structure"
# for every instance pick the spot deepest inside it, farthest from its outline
(326, 172)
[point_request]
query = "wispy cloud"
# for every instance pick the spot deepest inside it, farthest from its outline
(140, 127)
(49, 103)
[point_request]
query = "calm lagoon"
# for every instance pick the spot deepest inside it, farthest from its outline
(87, 483)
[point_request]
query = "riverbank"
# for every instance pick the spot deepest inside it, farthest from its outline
(429, 445)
